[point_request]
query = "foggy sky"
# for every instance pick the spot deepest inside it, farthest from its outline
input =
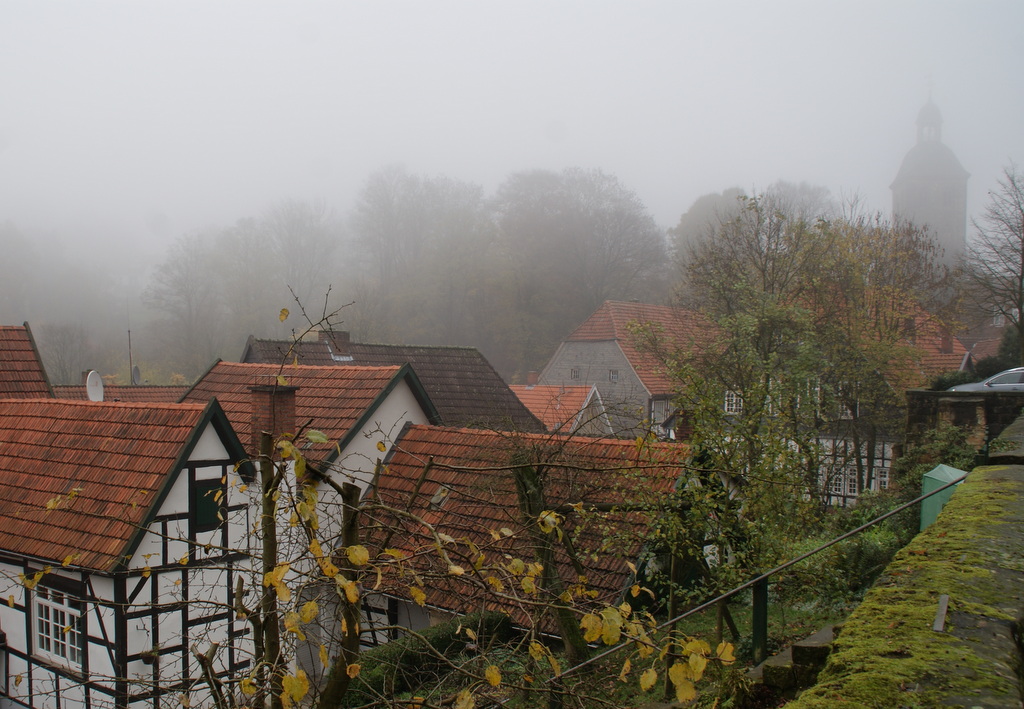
(139, 121)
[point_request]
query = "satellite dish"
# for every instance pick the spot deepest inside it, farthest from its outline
(94, 386)
(136, 376)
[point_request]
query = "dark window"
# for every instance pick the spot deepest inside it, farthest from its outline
(209, 504)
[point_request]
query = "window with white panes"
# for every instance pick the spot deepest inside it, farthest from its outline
(58, 634)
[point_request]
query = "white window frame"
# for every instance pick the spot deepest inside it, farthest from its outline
(613, 375)
(57, 627)
(851, 482)
(838, 483)
(882, 476)
(733, 402)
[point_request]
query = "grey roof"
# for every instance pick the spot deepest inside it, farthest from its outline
(461, 383)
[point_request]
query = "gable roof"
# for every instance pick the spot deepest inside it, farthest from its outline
(21, 368)
(469, 494)
(120, 392)
(463, 385)
(114, 460)
(335, 400)
(685, 329)
(558, 407)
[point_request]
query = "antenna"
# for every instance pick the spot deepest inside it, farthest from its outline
(94, 386)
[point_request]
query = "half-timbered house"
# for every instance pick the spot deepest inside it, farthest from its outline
(123, 527)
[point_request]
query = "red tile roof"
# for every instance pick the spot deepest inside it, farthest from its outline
(114, 458)
(21, 369)
(556, 406)
(330, 399)
(469, 495)
(121, 392)
(684, 329)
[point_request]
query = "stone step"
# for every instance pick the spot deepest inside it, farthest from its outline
(797, 666)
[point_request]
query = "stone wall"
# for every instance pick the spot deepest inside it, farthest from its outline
(984, 414)
(900, 649)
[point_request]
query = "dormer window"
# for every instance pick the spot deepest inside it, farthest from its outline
(574, 373)
(613, 375)
(733, 403)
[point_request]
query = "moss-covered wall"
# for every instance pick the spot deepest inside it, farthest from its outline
(887, 654)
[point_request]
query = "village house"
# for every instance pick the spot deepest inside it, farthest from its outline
(641, 396)
(636, 390)
(21, 370)
(122, 531)
(360, 410)
(566, 409)
(461, 383)
(465, 487)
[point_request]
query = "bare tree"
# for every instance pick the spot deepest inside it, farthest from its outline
(995, 258)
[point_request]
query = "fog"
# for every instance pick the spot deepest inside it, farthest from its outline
(124, 125)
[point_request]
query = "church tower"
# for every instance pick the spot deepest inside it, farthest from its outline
(930, 189)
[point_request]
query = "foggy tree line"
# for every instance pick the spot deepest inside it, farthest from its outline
(418, 259)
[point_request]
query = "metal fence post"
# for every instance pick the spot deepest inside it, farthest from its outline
(759, 622)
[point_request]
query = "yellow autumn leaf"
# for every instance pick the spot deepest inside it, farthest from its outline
(635, 590)
(685, 691)
(537, 651)
(454, 570)
(281, 381)
(679, 671)
(496, 583)
(648, 679)
(725, 653)
(417, 595)
(493, 675)
(612, 626)
(357, 555)
(381, 447)
(697, 665)
(697, 647)
(308, 611)
(292, 623)
(353, 670)
(146, 571)
(350, 588)
(10, 601)
(471, 634)
(549, 521)
(248, 686)
(314, 436)
(555, 666)
(283, 315)
(183, 560)
(626, 667)
(183, 700)
(465, 700)
(592, 626)
(18, 679)
(528, 584)
(324, 659)
(295, 687)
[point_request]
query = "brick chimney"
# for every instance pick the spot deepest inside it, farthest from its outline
(532, 378)
(273, 410)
